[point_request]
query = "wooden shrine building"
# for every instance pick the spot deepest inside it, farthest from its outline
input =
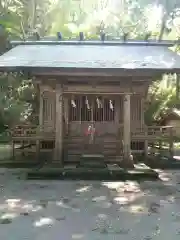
(92, 95)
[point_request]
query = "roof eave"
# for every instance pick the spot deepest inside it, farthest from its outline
(73, 70)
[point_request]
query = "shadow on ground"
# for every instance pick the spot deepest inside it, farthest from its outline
(89, 209)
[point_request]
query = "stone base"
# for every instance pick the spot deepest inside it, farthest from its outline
(127, 162)
(92, 161)
(111, 173)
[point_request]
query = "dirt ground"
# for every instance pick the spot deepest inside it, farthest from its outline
(89, 210)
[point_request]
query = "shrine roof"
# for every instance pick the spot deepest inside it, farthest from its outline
(77, 55)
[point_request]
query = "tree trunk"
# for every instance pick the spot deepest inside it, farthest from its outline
(163, 26)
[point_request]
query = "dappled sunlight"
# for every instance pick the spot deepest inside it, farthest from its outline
(122, 200)
(76, 209)
(113, 185)
(83, 189)
(3, 206)
(128, 186)
(44, 221)
(164, 178)
(13, 203)
(77, 236)
(139, 209)
(127, 199)
(171, 199)
(9, 215)
(99, 199)
(61, 204)
(36, 208)
(29, 207)
(19, 205)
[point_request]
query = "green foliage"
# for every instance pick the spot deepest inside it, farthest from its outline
(137, 18)
(23, 17)
(162, 98)
(16, 99)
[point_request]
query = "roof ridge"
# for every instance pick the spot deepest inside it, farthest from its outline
(166, 43)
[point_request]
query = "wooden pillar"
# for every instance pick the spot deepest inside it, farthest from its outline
(118, 112)
(177, 86)
(41, 120)
(171, 145)
(66, 114)
(13, 149)
(127, 131)
(40, 106)
(59, 125)
(142, 111)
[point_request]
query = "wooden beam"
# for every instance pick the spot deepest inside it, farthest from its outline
(98, 89)
(80, 72)
(91, 79)
(59, 125)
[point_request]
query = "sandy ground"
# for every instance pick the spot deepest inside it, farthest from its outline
(89, 210)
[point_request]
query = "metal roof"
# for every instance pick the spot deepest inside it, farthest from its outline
(85, 56)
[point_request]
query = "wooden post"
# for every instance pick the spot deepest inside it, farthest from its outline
(146, 142)
(40, 106)
(13, 149)
(41, 121)
(142, 111)
(66, 114)
(59, 125)
(127, 132)
(177, 86)
(37, 149)
(117, 122)
(171, 145)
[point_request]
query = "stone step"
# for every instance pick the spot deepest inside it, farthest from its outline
(92, 160)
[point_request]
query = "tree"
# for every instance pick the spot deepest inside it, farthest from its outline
(162, 97)
(118, 19)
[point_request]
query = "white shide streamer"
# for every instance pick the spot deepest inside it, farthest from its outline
(99, 103)
(73, 103)
(87, 103)
(111, 105)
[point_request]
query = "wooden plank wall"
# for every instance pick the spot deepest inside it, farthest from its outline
(137, 111)
(49, 105)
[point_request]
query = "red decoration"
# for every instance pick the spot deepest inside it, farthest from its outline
(90, 130)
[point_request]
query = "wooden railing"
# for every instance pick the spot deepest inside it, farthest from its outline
(32, 132)
(140, 137)
(152, 133)
(144, 133)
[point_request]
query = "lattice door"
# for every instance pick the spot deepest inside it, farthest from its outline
(92, 118)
